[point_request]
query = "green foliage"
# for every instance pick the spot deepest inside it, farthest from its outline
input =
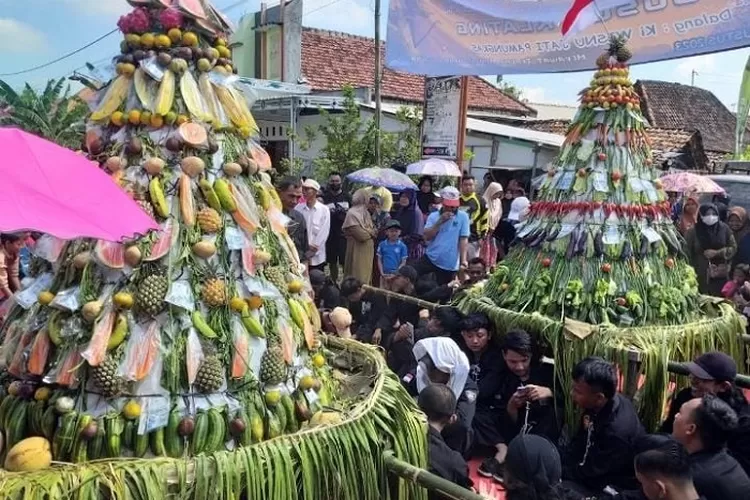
(350, 139)
(508, 88)
(54, 113)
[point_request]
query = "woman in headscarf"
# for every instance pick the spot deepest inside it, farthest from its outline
(710, 248)
(493, 198)
(360, 234)
(689, 215)
(425, 197)
(409, 215)
(738, 223)
(533, 470)
(441, 361)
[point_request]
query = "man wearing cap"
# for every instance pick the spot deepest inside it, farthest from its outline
(447, 234)
(714, 373)
(318, 221)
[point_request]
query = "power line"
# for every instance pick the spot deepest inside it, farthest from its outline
(69, 54)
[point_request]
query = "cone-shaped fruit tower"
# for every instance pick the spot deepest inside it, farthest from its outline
(200, 337)
(598, 245)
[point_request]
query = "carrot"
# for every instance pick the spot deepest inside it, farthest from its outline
(241, 355)
(97, 348)
(287, 341)
(66, 373)
(39, 353)
(16, 365)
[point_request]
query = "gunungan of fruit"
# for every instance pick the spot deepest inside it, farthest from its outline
(131, 410)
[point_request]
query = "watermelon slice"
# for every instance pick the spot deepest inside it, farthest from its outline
(248, 264)
(260, 157)
(110, 254)
(165, 239)
(192, 8)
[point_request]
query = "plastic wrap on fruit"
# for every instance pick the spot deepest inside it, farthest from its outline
(65, 373)
(154, 398)
(193, 355)
(141, 351)
(241, 352)
(246, 215)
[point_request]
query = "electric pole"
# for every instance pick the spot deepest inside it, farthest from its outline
(693, 74)
(377, 83)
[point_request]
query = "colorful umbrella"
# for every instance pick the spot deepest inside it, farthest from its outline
(686, 182)
(383, 177)
(51, 189)
(434, 166)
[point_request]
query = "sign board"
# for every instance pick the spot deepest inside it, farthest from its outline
(502, 37)
(441, 125)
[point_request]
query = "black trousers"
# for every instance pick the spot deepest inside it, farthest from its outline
(425, 266)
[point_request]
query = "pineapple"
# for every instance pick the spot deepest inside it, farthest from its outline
(602, 61)
(151, 293)
(210, 375)
(277, 277)
(209, 220)
(106, 379)
(618, 50)
(272, 366)
(214, 292)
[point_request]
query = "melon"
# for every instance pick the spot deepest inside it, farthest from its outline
(110, 254)
(31, 454)
(166, 238)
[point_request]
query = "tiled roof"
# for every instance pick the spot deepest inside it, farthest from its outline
(684, 107)
(331, 60)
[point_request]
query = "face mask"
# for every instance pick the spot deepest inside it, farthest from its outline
(710, 220)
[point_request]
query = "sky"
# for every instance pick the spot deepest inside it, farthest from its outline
(33, 32)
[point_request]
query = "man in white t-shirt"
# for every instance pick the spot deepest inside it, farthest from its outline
(318, 220)
(519, 206)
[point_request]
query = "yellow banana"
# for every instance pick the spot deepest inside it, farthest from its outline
(165, 97)
(116, 94)
(158, 200)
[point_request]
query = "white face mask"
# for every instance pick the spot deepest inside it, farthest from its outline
(710, 220)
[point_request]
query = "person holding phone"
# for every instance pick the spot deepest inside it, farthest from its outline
(447, 234)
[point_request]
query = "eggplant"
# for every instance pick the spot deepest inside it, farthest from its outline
(599, 244)
(643, 250)
(581, 243)
(572, 244)
(627, 250)
(552, 236)
(538, 240)
(531, 236)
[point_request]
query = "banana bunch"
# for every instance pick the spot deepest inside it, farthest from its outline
(210, 432)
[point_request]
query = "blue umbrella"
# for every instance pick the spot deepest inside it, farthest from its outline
(383, 177)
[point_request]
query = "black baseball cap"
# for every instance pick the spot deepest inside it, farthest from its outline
(393, 223)
(713, 366)
(317, 277)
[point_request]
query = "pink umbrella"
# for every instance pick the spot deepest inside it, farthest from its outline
(687, 182)
(51, 189)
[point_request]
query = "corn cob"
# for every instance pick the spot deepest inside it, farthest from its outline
(116, 94)
(165, 97)
(297, 312)
(239, 98)
(231, 107)
(192, 97)
(140, 81)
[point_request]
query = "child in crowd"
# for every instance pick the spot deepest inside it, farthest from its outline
(438, 402)
(738, 288)
(392, 253)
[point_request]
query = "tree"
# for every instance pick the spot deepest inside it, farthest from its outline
(350, 139)
(54, 113)
(508, 88)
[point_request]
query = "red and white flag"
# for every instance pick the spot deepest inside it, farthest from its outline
(584, 13)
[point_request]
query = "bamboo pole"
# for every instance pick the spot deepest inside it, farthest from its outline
(673, 367)
(428, 480)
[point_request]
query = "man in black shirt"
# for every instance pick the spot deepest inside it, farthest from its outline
(290, 192)
(522, 402)
(601, 453)
(366, 308)
(714, 373)
(664, 473)
(439, 404)
(338, 202)
(327, 294)
(702, 426)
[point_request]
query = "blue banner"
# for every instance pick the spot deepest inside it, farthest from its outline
(502, 37)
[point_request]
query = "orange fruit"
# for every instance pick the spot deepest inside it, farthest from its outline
(148, 40)
(175, 35)
(134, 117)
(163, 42)
(145, 118)
(157, 121)
(117, 119)
(190, 39)
(254, 302)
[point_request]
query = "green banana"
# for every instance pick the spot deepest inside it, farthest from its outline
(157, 442)
(173, 442)
(96, 445)
(292, 425)
(198, 439)
(114, 426)
(216, 431)
(200, 324)
(141, 445)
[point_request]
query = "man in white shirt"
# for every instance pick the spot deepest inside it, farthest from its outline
(318, 219)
